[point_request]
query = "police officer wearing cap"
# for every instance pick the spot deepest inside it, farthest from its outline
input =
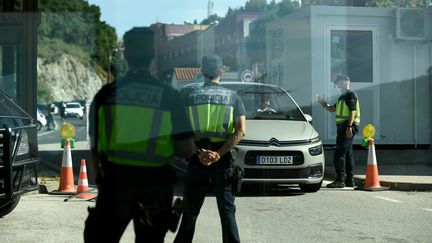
(137, 125)
(347, 122)
(218, 120)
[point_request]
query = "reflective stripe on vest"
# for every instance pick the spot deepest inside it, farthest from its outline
(124, 137)
(212, 121)
(343, 113)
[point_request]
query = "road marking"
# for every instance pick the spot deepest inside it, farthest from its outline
(427, 209)
(388, 199)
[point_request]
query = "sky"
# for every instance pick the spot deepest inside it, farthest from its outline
(125, 14)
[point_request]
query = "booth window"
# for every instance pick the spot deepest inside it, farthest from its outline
(8, 67)
(352, 54)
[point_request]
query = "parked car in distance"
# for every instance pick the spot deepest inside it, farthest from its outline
(43, 107)
(74, 109)
(41, 120)
(281, 146)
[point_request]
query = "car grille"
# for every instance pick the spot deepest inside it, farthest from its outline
(250, 158)
(272, 142)
(283, 173)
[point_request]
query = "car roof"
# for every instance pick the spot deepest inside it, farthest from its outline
(236, 83)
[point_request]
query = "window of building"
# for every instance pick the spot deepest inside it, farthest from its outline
(352, 54)
(8, 70)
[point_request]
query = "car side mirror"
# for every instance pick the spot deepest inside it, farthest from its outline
(308, 117)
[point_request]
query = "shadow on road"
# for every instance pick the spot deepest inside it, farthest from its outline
(261, 190)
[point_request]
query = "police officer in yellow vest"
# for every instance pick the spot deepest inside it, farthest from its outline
(218, 119)
(137, 125)
(347, 111)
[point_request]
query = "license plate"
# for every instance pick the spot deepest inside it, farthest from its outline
(274, 160)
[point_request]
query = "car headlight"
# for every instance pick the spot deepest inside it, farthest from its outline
(315, 140)
(316, 150)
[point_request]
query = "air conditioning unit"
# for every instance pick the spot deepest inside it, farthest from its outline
(411, 24)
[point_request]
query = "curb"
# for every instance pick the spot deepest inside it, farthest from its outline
(392, 185)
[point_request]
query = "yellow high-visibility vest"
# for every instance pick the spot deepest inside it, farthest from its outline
(343, 113)
(213, 121)
(135, 135)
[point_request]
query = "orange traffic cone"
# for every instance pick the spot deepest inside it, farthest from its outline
(83, 182)
(67, 185)
(372, 181)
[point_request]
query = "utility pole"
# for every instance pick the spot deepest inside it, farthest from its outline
(210, 8)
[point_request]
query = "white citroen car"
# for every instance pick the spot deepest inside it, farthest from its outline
(280, 146)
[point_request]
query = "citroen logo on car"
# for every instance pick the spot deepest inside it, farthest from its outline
(274, 142)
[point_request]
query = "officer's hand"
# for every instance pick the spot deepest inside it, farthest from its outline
(209, 157)
(320, 99)
(348, 132)
(203, 156)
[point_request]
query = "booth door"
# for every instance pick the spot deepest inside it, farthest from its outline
(352, 51)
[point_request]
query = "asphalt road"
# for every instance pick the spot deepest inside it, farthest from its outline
(273, 215)
(278, 214)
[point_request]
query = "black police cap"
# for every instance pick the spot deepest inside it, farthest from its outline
(340, 78)
(211, 66)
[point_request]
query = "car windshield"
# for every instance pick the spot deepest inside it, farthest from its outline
(267, 103)
(73, 106)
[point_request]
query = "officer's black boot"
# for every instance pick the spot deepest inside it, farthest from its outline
(338, 183)
(349, 181)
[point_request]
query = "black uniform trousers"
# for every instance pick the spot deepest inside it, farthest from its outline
(120, 190)
(198, 182)
(343, 156)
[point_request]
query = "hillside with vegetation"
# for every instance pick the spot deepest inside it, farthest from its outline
(75, 50)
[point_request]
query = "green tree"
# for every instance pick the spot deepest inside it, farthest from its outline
(44, 93)
(256, 43)
(400, 3)
(255, 6)
(286, 7)
(306, 3)
(77, 23)
(210, 19)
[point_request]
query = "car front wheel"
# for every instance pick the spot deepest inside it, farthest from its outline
(38, 126)
(310, 187)
(8, 206)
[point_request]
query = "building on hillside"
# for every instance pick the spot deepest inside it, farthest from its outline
(230, 39)
(175, 46)
(226, 39)
(387, 53)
